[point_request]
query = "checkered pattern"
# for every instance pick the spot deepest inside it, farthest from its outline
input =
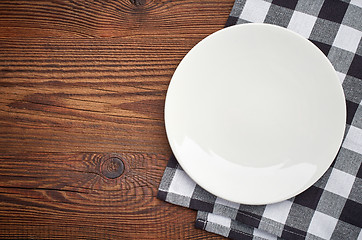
(332, 207)
(230, 228)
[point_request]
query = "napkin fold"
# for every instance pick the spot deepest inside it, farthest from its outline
(332, 207)
(230, 228)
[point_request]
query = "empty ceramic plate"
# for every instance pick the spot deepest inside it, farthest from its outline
(255, 113)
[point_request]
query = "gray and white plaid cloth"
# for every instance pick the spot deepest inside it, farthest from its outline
(332, 207)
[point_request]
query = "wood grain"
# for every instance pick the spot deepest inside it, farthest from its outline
(81, 82)
(70, 192)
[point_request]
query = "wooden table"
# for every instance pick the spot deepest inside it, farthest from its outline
(82, 86)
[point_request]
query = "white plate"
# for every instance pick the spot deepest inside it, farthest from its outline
(255, 114)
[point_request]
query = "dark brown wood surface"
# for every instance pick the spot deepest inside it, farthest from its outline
(82, 84)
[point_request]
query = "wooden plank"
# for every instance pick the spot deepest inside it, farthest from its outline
(112, 18)
(61, 195)
(84, 99)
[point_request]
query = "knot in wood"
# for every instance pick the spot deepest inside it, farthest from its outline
(112, 167)
(138, 2)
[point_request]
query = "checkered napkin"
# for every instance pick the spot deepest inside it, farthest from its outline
(332, 207)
